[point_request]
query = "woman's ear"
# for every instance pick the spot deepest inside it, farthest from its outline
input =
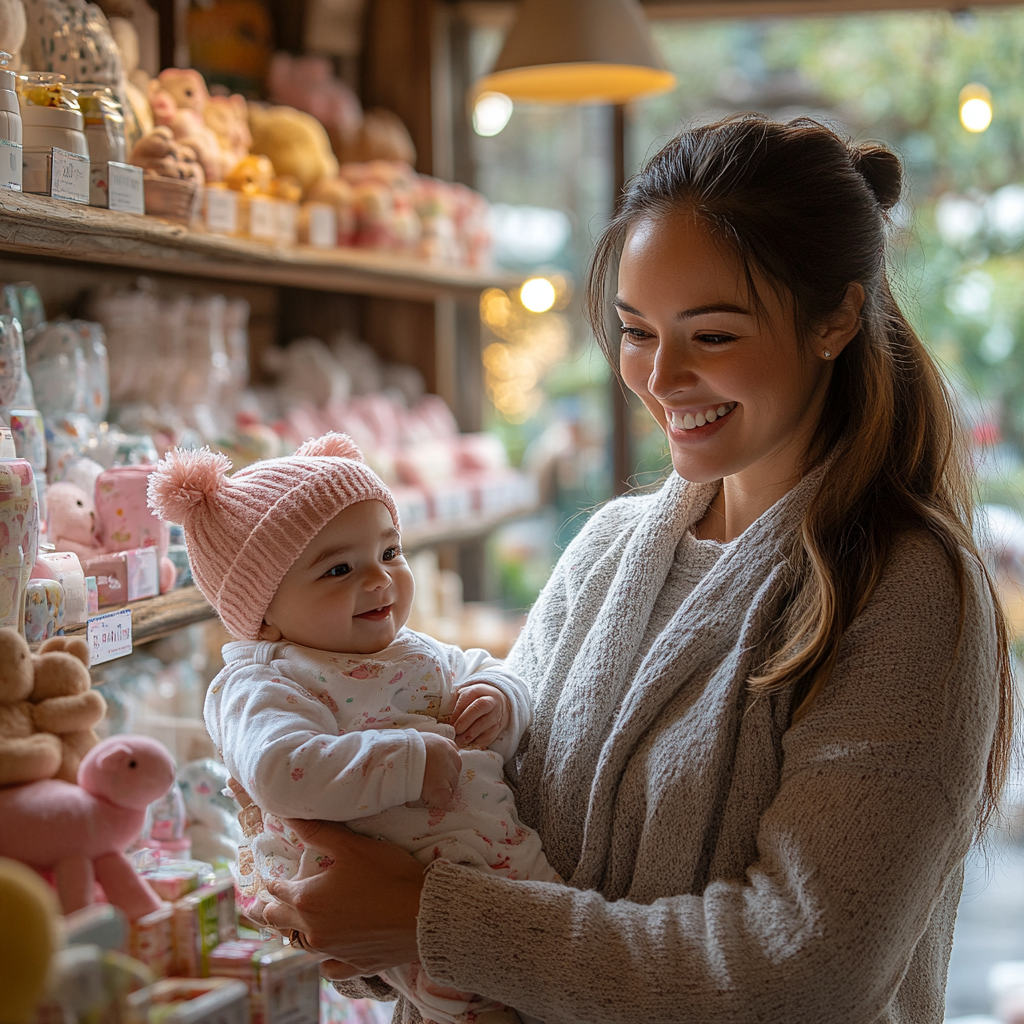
(843, 325)
(270, 632)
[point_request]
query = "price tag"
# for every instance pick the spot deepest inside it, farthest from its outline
(10, 165)
(125, 188)
(109, 636)
(69, 176)
(287, 222)
(323, 226)
(222, 211)
(263, 218)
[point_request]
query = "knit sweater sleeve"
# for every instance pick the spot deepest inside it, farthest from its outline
(879, 788)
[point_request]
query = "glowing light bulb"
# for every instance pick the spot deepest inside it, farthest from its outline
(975, 107)
(537, 294)
(491, 113)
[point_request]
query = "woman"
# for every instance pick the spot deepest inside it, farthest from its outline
(772, 700)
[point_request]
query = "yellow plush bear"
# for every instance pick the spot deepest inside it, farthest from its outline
(296, 143)
(47, 709)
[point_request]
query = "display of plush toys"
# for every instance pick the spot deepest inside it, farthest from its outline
(159, 153)
(228, 118)
(179, 97)
(48, 709)
(295, 142)
(79, 830)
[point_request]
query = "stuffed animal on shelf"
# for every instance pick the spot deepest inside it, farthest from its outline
(252, 176)
(179, 97)
(228, 118)
(12, 27)
(71, 524)
(296, 143)
(28, 940)
(47, 708)
(80, 830)
(159, 153)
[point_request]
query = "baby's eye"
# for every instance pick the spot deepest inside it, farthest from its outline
(339, 570)
(391, 553)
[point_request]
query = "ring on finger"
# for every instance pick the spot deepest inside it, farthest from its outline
(296, 938)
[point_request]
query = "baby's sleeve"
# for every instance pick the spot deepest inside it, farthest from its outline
(286, 748)
(475, 665)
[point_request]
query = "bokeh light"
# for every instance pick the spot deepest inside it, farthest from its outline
(538, 294)
(975, 107)
(491, 113)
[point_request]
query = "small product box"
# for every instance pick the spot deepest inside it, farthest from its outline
(202, 921)
(189, 1001)
(143, 573)
(263, 218)
(287, 214)
(151, 940)
(318, 225)
(111, 573)
(222, 211)
(283, 981)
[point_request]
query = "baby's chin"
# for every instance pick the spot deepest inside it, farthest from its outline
(347, 645)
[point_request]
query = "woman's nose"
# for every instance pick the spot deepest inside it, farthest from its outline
(670, 373)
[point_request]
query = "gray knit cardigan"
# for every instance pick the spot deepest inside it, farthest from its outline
(722, 864)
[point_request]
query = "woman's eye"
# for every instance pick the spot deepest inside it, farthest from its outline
(714, 339)
(634, 333)
(391, 553)
(338, 570)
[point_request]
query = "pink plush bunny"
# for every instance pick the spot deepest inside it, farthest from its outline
(80, 831)
(72, 520)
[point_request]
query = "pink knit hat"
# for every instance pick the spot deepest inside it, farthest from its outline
(244, 532)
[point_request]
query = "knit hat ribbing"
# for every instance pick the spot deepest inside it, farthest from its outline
(243, 533)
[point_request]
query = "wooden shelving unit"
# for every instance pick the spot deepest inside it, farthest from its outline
(38, 227)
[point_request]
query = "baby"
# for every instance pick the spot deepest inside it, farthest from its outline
(328, 707)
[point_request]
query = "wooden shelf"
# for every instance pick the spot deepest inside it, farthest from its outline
(36, 226)
(156, 617)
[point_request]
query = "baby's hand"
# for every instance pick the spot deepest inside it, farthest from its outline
(481, 713)
(441, 776)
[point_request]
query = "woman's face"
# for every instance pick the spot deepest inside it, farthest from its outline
(736, 393)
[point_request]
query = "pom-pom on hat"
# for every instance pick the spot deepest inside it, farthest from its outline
(244, 532)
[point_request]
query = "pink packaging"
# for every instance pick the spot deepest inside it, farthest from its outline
(124, 520)
(152, 940)
(143, 575)
(111, 573)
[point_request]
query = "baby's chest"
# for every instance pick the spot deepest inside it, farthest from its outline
(368, 694)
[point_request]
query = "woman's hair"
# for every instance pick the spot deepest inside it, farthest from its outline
(807, 211)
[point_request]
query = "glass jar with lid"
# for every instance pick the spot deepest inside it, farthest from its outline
(51, 118)
(104, 130)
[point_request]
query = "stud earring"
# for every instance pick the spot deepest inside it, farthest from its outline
(826, 354)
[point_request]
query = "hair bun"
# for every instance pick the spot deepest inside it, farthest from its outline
(185, 478)
(332, 445)
(882, 170)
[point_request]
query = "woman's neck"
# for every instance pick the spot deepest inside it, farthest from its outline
(737, 505)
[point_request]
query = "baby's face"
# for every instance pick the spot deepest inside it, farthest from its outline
(350, 591)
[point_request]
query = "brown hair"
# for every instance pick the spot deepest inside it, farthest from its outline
(809, 211)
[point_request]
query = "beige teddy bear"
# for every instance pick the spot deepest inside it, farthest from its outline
(47, 708)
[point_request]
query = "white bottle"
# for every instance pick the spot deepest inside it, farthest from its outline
(10, 127)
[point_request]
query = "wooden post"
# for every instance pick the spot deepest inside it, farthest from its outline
(622, 439)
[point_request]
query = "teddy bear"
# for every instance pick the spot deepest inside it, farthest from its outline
(158, 152)
(71, 524)
(228, 118)
(296, 143)
(178, 97)
(47, 708)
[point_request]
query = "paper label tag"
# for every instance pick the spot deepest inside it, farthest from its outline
(109, 636)
(262, 218)
(323, 227)
(7, 449)
(287, 222)
(69, 176)
(222, 211)
(10, 165)
(125, 188)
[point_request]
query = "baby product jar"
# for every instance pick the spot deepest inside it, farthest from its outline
(104, 131)
(51, 117)
(10, 126)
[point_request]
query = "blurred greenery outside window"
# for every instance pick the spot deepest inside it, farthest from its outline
(956, 257)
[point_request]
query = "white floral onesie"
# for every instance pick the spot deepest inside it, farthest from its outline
(314, 734)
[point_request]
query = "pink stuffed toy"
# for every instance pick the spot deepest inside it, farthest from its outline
(178, 97)
(80, 831)
(71, 520)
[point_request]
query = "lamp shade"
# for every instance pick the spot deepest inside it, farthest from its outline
(578, 51)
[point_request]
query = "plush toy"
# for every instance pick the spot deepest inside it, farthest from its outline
(160, 154)
(253, 176)
(47, 708)
(28, 940)
(72, 520)
(71, 37)
(127, 40)
(178, 97)
(295, 142)
(228, 118)
(79, 831)
(381, 136)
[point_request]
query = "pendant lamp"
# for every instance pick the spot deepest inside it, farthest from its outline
(578, 51)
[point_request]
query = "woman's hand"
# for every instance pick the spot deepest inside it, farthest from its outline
(360, 909)
(481, 712)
